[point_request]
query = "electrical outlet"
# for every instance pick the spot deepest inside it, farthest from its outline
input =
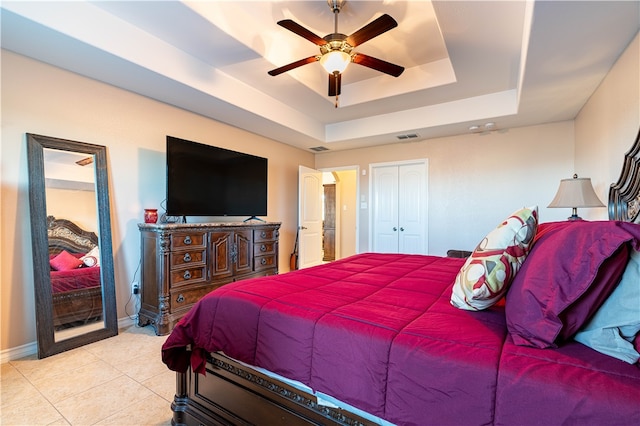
(135, 287)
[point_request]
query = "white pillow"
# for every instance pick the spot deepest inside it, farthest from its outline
(487, 273)
(615, 324)
(92, 258)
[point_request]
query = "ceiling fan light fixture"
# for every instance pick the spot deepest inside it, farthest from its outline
(335, 61)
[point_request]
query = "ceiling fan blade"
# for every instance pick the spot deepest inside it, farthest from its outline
(302, 31)
(372, 29)
(378, 64)
(335, 83)
(293, 65)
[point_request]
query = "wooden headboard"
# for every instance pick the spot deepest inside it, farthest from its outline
(66, 235)
(624, 195)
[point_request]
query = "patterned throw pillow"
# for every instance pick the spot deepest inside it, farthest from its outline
(92, 258)
(487, 273)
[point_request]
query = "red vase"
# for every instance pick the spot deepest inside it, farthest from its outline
(150, 215)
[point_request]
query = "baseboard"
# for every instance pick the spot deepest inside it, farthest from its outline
(29, 349)
(18, 352)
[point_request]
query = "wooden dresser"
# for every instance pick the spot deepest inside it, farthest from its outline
(183, 262)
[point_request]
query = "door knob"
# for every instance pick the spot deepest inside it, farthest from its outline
(395, 229)
(401, 229)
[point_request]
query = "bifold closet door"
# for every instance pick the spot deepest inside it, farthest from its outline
(399, 202)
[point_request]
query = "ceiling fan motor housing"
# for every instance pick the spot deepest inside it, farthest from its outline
(336, 41)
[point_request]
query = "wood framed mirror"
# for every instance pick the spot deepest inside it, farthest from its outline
(71, 240)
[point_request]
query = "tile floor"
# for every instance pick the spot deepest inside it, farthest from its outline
(116, 381)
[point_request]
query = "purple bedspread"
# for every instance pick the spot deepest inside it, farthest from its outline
(378, 332)
(75, 279)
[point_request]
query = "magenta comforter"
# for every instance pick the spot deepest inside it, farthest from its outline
(378, 331)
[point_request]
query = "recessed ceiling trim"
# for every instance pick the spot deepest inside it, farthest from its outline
(427, 76)
(471, 109)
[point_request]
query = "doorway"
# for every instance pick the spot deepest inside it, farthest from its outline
(338, 211)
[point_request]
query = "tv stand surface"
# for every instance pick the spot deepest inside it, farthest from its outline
(182, 262)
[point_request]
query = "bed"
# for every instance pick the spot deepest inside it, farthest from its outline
(75, 274)
(426, 340)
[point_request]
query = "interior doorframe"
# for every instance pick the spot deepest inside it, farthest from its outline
(356, 168)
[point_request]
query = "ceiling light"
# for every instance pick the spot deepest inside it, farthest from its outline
(335, 61)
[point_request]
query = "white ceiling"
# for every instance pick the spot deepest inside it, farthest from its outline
(467, 63)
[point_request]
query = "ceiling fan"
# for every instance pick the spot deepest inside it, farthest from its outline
(336, 49)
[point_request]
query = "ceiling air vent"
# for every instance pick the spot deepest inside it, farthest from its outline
(319, 149)
(408, 136)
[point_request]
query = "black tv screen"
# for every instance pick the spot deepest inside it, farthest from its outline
(204, 180)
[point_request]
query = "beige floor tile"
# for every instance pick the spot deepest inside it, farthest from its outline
(36, 369)
(8, 371)
(99, 403)
(150, 411)
(60, 387)
(36, 411)
(116, 381)
(143, 368)
(15, 389)
(163, 384)
(61, 422)
(126, 347)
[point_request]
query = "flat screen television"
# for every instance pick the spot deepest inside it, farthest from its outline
(204, 180)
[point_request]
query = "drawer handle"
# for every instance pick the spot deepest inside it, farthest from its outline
(263, 261)
(263, 248)
(187, 275)
(187, 240)
(263, 234)
(180, 298)
(187, 257)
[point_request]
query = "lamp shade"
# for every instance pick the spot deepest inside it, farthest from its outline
(574, 193)
(335, 61)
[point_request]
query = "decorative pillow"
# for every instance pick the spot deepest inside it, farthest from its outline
(615, 325)
(92, 258)
(568, 274)
(487, 273)
(65, 261)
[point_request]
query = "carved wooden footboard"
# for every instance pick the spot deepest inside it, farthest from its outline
(234, 394)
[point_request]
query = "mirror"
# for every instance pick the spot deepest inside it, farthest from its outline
(71, 239)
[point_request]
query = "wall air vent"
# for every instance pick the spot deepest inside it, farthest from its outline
(319, 149)
(408, 136)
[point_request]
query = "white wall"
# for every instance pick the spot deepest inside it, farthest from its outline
(608, 124)
(41, 99)
(475, 181)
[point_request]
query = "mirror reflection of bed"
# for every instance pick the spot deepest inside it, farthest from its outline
(75, 278)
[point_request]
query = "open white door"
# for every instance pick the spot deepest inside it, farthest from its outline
(309, 217)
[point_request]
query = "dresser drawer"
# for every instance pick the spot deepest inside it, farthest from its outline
(192, 239)
(185, 298)
(264, 262)
(267, 247)
(260, 235)
(188, 276)
(191, 257)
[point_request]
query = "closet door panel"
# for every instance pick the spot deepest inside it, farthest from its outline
(385, 209)
(412, 209)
